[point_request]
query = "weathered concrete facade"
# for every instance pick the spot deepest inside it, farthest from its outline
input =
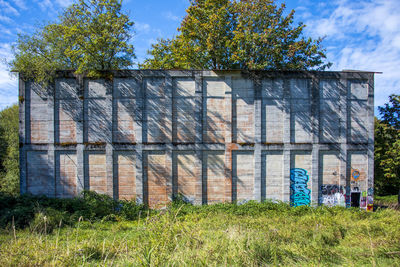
(304, 137)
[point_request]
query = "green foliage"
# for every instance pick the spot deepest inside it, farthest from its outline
(46, 220)
(387, 148)
(27, 210)
(228, 34)
(390, 112)
(9, 151)
(90, 36)
(251, 234)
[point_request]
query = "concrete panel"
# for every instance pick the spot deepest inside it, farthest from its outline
(214, 121)
(358, 90)
(96, 173)
(67, 118)
(39, 182)
(243, 176)
(184, 87)
(332, 188)
(156, 128)
(360, 194)
(272, 88)
(300, 121)
(243, 111)
(66, 174)
(98, 88)
(358, 121)
(184, 111)
(300, 178)
(273, 174)
(329, 120)
(127, 87)
(125, 168)
(157, 178)
(67, 89)
(98, 120)
(126, 120)
(273, 121)
(358, 170)
(187, 178)
(214, 177)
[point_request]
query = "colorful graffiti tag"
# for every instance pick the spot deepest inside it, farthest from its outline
(332, 195)
(355, 174)
(299, 193)
(370, 199)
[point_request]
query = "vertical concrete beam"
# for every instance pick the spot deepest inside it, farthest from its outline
(370, 130)
(199, 106)
(344, 115)
(139, 173)
(228, 138)
(80, 137)
(169, 146)
(257, 138)
(286, 175)
(315, 185)
(199, 132)
(286, 102)
(50, 138)
(315, 115)
(22, 102)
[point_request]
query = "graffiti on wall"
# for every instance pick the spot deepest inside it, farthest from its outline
(355, 174)
(332, 195)
(299, 193)
(370, 199)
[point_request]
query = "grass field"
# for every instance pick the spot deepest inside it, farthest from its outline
(252, 234)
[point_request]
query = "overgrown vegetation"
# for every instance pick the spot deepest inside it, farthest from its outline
(387, 148)
(9, 152)
(36, 211)
(252, 234)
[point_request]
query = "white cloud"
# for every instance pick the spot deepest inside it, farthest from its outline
(366, 36)
(46, 5)
(8, 9)
(142, 27)
(5, 19)
(8, 83)
(170, 16)
(64, 3)
(20, 4)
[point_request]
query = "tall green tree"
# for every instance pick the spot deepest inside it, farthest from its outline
(90, 35)
(9, 154)
(231, 34)
(387, 148)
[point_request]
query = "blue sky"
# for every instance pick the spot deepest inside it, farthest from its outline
(362, 35)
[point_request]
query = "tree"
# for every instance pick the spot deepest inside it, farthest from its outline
(387, 148)
(9, 154)
(91, 35)
(230, 34)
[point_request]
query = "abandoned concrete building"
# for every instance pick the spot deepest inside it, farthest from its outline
(209, 136)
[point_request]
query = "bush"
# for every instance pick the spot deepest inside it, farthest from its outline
(40, 211)
(46, 220)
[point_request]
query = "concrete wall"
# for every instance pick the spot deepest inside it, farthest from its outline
(304, 137)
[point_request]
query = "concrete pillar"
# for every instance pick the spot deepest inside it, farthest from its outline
(23, 112)
(257, 139)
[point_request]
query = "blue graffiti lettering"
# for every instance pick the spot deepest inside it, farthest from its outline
(299, 193)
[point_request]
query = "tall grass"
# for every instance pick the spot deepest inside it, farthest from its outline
(252, 234)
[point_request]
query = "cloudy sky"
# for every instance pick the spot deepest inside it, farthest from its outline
(362, 35)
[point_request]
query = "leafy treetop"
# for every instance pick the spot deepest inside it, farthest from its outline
(245, 34)
(91, 35)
